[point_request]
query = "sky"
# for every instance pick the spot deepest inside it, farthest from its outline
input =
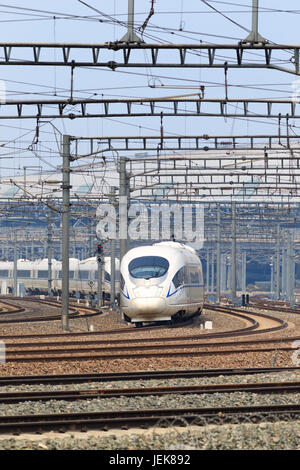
(173, 21)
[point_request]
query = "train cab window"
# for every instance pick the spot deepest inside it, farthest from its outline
(147, 267)
(178, 279)
(4, 273)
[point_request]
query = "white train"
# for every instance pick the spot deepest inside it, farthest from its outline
(33, 275)
(162, 282)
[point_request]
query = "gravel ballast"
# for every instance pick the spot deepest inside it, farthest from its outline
(246, 436)
(263, 436)
(172, 401)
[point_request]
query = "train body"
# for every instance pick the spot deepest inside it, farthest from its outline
(161, 282)
(33, 275)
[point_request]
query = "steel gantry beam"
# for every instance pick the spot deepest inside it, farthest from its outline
(203, 142)
(240, 55)
(137, 107)
(237, 176)
(227, 173)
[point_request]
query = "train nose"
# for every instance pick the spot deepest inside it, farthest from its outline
(150, 306)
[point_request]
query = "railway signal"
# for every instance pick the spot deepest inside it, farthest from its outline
(99, 251)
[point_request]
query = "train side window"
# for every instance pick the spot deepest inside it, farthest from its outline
(83, 275)
(178, 279)
(23, 273)
(194, 276)
(200, 276)
(71, 275)
(187, 275)
(4, 273)
(43, 274)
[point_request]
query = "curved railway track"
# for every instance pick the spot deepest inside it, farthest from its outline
(250, 317)
(164, 346)
(9, 309)
(87, 346)
(131, 343)
(16, 314)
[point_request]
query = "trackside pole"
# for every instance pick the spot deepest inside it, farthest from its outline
(254, 36)
(130, 36)
(233, 254)
(218, 274)
(65, 232)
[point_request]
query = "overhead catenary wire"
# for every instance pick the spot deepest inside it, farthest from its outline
(166, 130)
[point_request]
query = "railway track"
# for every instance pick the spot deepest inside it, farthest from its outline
(106, 420)
(94, 352)
(159, 341)
(68, 347)
(93, 346)
(144, 418)
(250, 317)
(91, 394)
(163, 346)
(275, 307)
(8, 314)
(139, 375)
(8, 309)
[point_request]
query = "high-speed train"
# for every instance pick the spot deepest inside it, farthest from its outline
(162, 282)
(83, 275)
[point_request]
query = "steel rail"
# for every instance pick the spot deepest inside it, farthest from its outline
(10, 309)
(13, 347)
(89, 354)
(139, 375)
(92, 394)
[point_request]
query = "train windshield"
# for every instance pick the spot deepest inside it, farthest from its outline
(147, 267)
